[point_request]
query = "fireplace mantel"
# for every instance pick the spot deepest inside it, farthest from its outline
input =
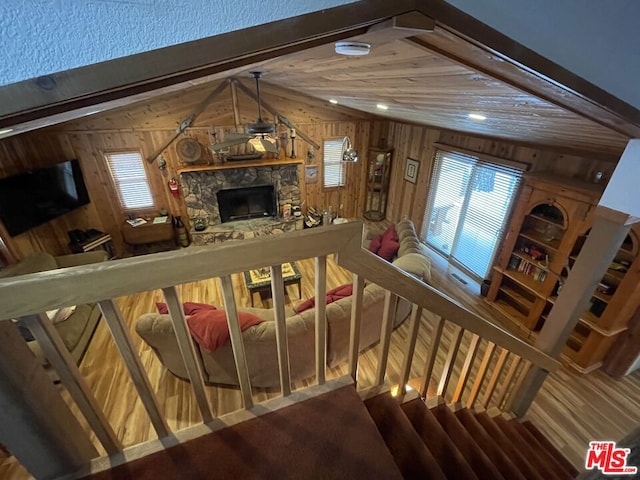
(252, 163)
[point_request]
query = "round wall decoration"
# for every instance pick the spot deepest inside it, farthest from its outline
(189, 150)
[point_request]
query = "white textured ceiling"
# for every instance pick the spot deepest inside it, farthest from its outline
(595, 39)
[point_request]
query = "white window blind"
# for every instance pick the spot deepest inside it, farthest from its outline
(130, 179)
(468, 207)
(333, 165)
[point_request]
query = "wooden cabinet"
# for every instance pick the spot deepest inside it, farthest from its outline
(611, 307)
(550, 223)
(378, 174)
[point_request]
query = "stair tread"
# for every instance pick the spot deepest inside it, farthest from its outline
(537, 456)
(557, 454)
(523, 462)
(331, 436)
(473, 454)
(498, 456)
(542, 449)
(449, 458)
(413, 458)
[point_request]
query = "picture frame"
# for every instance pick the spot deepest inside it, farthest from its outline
(411, 170)
(311, 174)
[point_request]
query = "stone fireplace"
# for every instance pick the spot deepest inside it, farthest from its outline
(247, 192)
(245, 203)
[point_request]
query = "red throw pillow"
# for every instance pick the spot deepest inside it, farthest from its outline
(375, 244)
(390, 234)
(189, 307)
(209, 327)
(333, 295)
(388, 249)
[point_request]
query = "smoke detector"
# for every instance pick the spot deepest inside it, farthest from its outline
(353, 48)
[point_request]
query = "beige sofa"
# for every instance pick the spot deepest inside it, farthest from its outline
(259, 340)
(76, 331)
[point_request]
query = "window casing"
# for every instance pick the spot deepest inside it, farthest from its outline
(333, 166)
(130, 180)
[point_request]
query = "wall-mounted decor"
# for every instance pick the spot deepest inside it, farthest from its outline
(311, 174)
(411, 170)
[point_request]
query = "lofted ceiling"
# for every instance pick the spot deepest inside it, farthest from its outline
(432, 78)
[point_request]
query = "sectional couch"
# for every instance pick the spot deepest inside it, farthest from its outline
(259, 340)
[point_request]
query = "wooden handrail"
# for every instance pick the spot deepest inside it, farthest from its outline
(376, 270)
(95, 282)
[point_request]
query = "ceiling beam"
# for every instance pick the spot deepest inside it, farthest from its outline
(116, 79)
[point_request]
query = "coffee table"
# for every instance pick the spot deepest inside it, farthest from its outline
(259, 280)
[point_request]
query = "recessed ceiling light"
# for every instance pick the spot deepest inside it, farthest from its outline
(352, 48)
(380, 106)
(6, 130)
(333, 100)
(477, 116)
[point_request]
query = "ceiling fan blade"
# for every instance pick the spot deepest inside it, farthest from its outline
(227, 144)
(237, 136)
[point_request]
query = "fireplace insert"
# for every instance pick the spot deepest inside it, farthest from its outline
(247, 202)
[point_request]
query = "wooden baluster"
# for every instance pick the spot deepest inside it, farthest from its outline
(504, 388)
(449, 363)
(482, 373)
(277, 293)
(122, 339)
(321, 320)
(192, 360)
(59, 357)
(237, 345)
(414, 326)
(390, 303)
(354, 328)
(517, 385)
(436, 337)
(466, 368)
(495, 376)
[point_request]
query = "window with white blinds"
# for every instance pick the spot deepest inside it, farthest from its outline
(468, 207)
(333, 164)
(130, 179)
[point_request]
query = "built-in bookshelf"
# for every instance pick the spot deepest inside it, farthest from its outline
(548, 228)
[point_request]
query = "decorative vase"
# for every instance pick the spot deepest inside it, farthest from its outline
(181, 232)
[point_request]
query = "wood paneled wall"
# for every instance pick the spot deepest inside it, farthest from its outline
(407, 199)
(146, 126)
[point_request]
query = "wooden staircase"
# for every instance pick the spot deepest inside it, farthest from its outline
(336, 435)
(441, 443)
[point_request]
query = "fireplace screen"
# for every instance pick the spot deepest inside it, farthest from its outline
(244, 203)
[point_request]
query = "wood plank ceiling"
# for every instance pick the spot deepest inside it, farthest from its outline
(417, 84)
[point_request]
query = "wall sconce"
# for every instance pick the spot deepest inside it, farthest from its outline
(348, 153)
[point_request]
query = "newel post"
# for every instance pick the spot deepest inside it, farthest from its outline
(617, 210)
(37, 426)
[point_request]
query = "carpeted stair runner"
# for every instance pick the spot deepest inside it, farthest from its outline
(437, 441)
(540, 460)
(544, 441)
(410, 453)
(336, 435)
(498, 457)
(523, 460)
(330, 436)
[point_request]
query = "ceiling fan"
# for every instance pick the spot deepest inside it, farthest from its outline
(259, 133)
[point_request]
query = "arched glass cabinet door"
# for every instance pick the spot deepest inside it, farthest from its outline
(378, 174)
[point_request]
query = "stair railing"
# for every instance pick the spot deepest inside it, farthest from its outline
(26, 388)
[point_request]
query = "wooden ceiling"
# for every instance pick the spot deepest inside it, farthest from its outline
(434, 79)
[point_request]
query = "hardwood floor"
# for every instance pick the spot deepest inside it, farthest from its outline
(570, 410)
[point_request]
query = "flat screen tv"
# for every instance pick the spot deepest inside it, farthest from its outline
(38, 196)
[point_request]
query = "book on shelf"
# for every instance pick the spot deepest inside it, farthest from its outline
(527, 268)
